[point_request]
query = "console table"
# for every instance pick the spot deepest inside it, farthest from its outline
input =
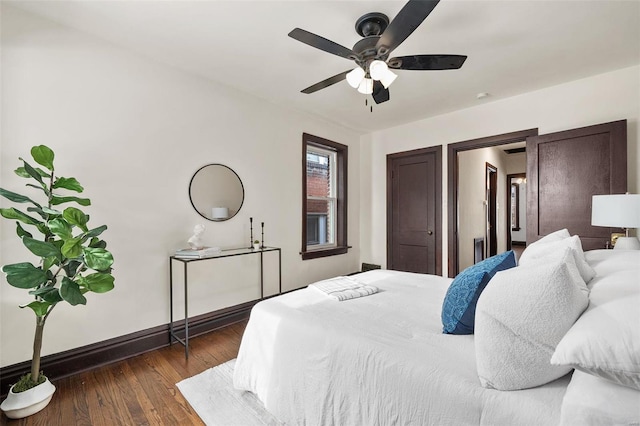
(223, 254)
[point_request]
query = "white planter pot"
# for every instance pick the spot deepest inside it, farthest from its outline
(256, 246)
(23, 404)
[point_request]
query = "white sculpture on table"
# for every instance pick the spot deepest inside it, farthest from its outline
(195, 242)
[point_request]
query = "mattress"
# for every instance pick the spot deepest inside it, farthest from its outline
(380, 359)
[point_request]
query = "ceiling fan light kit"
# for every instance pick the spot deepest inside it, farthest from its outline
(366, 86)
(355, 77)
(381, 72)
(372, 75)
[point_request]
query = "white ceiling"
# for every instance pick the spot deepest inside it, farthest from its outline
(513, 47)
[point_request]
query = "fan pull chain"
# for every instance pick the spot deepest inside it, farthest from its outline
(366, 103)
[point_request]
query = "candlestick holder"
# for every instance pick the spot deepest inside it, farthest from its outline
(262, 246)
(251, 227)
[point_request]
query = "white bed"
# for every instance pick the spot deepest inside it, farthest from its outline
(378, 360)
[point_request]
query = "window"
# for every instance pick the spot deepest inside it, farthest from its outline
(324, 197)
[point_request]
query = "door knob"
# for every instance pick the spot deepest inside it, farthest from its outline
(430, 232)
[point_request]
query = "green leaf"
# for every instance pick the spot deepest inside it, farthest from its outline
(70, 291)
(98, 282)
(95, 231)
(72, 248)
(38, 210)
(52, 296)
(68, 183)
(33, 172)
(12, 213)
(17, 198)
(21, 231)
(24, 275)
(76, 217)
(52, 212)
(72, 267)
(55, 200)
(43, 156)
(20, 171)
(41, 248)
(97, 243)
(48, 293)
(40, 308)
(44, 229)
(60, 228)
(97, 258)
(50, 261)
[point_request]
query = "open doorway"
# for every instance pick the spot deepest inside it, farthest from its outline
(464, 237)
(483, 202)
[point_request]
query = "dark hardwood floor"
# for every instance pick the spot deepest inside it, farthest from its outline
(140, 390)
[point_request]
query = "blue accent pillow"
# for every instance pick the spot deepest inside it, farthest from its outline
(459, 306)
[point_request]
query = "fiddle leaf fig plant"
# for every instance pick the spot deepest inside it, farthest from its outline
(73, 260)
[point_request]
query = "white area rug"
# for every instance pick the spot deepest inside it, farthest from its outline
(218, 403)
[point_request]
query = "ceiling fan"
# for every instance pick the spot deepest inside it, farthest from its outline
(371, 54)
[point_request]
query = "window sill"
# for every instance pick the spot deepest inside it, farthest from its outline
(315, 254)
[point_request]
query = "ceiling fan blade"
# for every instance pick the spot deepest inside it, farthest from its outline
(405, 22)
(326, 83)
(380, 94)
(321, 43)
(427, 62)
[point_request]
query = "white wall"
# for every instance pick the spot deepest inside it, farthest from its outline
(598, 99)
(517, 163)
(133, 132)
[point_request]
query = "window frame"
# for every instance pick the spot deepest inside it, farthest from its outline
(340, 243)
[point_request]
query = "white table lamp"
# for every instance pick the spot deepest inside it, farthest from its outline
(220, 213)
(619, 211)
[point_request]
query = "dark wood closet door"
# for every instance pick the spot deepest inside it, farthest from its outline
(564, 170)
(414, 200)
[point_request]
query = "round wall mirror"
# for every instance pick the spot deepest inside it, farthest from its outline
(216, 192)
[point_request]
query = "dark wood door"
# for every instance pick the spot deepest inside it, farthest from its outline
(491, 176)
(564, 170)
(414, 225)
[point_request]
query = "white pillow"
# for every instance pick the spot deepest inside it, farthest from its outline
(554, 236)
(590, 400)
(536, 248)
(540, 250)
(520, 318)
(605, 341)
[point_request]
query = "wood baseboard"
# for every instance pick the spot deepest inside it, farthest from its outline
(67, 363)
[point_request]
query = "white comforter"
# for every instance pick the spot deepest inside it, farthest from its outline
(376, 360)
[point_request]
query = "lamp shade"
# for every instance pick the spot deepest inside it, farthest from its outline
(378, 69)
(220, 213)
(388, 78)
(366, 87)
(617, 210)
(355, 76)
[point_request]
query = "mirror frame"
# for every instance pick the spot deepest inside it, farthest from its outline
(241, 186)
